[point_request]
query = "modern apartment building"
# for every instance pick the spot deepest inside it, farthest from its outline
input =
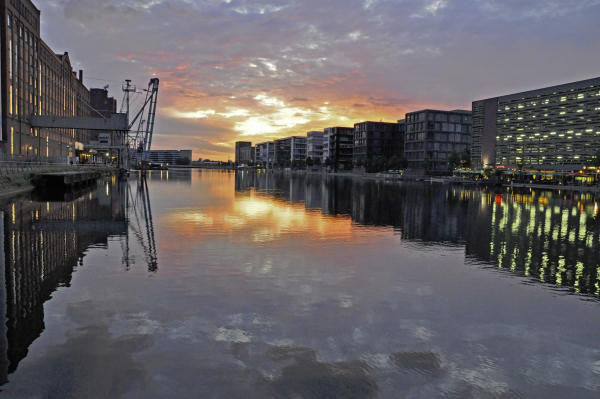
(239, 146)
(553, 128)
(433, 135)
(36, 81)
(298, 148)
(314, 146)
(282, 151)
(376, 139)
(338, 143)
(247, 155)
(265, 153)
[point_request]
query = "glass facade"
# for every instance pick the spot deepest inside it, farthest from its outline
(432, 136)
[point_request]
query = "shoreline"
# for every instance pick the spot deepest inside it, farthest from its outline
(439, 180)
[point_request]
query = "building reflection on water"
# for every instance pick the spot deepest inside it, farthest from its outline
(549, 237)
(45, 238)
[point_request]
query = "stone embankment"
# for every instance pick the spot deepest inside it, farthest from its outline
(17, 177)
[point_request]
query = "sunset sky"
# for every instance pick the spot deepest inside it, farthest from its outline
(257, 70)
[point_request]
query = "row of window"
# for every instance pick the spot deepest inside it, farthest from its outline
(438, 117)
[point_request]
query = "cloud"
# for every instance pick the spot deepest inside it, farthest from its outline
(264, 68)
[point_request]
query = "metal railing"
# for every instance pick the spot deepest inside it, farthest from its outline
(13, 167)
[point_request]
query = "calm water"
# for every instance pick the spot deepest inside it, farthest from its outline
(215, 285)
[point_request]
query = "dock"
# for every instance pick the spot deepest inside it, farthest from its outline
(64, 179)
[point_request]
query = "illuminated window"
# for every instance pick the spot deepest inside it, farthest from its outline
(563, 99)
(12, 141)
(580, 96)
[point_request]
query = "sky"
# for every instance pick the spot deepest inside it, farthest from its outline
(256, 70)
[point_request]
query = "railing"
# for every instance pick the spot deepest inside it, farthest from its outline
(12, 167)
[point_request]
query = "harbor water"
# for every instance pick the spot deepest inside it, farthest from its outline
(216, 284)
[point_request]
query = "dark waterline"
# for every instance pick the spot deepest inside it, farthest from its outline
(216, 284)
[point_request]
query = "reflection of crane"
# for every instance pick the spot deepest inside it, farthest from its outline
(140, 217)
(140, 140)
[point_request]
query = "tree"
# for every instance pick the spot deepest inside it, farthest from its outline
(395, 163)
(465, 159)
(380, 164)
(183, 161)
(596, 161)
(454, 161)
(427, 164)
(309, 161)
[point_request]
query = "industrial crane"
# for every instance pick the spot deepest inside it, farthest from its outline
(140, 140)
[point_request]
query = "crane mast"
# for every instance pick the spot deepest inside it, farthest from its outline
(140, 141)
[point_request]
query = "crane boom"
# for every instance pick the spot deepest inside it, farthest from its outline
(141, 140)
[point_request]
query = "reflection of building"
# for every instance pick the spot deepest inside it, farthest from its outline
(432, 136)
(338, 143)
(43, 242)
(183, 175)
(37, 81)
(542, 236)
(551, 128)
(376, 139)
(545, 236)
(314, 146)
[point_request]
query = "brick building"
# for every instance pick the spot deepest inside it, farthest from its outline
(36, 81)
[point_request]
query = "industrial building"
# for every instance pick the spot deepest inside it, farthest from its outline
(338, 146)
(37, 81)
(553, 128)
(433, 135)
(170, 157)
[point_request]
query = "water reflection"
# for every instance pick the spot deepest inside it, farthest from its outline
(46, 237)
(548, 236)
(217, 284)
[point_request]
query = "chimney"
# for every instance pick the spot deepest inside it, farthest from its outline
(81, 75)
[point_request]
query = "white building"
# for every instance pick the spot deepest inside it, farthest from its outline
(298, 148)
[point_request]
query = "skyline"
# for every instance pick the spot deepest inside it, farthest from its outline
(256, 70)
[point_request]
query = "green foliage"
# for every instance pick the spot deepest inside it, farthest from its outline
(454, 161)
(596, 160)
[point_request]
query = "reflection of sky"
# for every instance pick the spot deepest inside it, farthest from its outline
(256, 297)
